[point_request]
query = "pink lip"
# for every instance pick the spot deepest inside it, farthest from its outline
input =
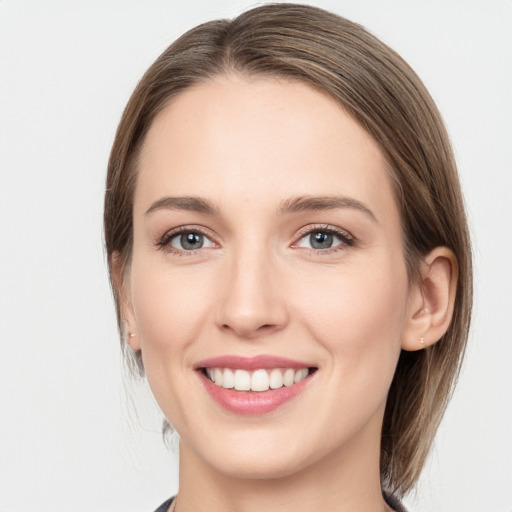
(250, 363)
(251, 402)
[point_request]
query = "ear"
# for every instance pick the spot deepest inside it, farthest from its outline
(121, 282)
(431, 300)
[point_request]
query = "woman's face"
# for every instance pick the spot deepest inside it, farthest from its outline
(268, 255)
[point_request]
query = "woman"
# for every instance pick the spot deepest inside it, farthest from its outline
(290, 261)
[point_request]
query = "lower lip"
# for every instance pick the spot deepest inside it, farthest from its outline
(252, 402)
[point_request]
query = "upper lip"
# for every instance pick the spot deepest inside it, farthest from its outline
(250, 363)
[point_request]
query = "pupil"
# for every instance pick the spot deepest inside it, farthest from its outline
(321, 240)
(191, 241)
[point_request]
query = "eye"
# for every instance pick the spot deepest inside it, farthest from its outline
(323, 239)
(320, 240)
(186, 240)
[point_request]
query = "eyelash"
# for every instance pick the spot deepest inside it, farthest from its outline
(347, 240)
(165, 241)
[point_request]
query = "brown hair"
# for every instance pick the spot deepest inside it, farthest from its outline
(387, 98)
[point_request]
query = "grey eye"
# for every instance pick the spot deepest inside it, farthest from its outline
(190, 241)
(321, 240)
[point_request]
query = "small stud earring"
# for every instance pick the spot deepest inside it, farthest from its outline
(132, 335)
(422, 341)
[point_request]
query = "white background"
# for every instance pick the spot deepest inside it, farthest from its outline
(70, 437)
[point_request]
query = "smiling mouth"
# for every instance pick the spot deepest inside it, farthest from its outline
(258, 380)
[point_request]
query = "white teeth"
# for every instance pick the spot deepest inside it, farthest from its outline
(219, 374)
(300, 375)
(242, 380)
(228, 379)
(276, 379)
(258, 380)
(288, 377)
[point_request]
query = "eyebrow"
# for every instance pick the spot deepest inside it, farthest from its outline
(293, 205)
(319, 203)
(195, 204)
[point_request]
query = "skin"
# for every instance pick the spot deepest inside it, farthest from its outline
(250, 147)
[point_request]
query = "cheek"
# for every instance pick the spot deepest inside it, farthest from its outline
(358, 315)
(170, 308)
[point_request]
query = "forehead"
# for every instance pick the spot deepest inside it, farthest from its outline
(248, 138)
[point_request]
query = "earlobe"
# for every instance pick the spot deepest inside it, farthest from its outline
(121, 285)
(432, 300)
(133, 341)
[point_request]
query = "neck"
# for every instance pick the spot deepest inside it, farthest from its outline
(339, 482)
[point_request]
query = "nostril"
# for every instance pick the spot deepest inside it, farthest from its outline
(248, 330)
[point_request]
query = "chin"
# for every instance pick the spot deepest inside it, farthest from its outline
(260, 468)
(258, 455)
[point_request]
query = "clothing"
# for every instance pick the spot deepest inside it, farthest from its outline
(164, 506)
(393, 502)
(390, 500)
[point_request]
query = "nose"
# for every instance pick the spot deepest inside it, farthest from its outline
(252, 299)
